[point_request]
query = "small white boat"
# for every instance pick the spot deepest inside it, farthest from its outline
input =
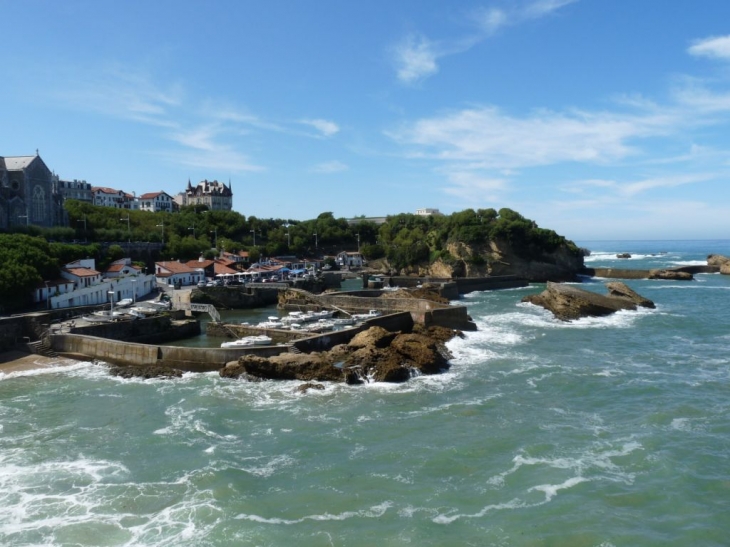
(343, 321)
(124, 302)
(368, 315)
(270, 324)
(248, 341)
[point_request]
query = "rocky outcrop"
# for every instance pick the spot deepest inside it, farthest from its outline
(721, 262)
(568, 302)
(499, 258)
(673, 275)
(717, 260)
(374, 354)
(623, 255)
(616, 289)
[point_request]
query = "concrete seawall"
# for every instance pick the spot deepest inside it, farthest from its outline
(426, 312)
(133, 354)
(625, 273)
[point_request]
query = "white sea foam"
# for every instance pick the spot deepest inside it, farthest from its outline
(551, 490)
(270, 466)
(64, 367)
(376, 511)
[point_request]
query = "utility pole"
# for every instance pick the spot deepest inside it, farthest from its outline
(84, 221)
(129, 230)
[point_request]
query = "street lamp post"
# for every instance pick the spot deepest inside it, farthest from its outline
(254, 237)
(129, 229)
(134, 290)
(315, 240)
(111, 298)
(288, 235)
(215, 231)
(84, 221)
(193, 229)
(163, 232)
(358, 243)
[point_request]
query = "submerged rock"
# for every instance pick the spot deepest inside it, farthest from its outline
(568, 302)
(146, 372)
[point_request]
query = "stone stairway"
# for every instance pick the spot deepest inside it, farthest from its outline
(41, 347)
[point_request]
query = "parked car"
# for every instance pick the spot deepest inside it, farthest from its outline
(201, 284)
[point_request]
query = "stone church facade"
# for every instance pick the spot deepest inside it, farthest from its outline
(28, 193)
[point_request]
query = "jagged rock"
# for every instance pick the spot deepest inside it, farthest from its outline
(309, 385)
(717, 260)
(673, 275)
(568, 302)
(374, 336)
(290, 366)
(420, 352)
(725, 268)
(377, 353)
(617, 289)
(146, 372)
(623, 255)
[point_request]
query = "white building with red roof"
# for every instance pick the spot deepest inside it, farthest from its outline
(171, 272)
(81, 284)
(155, 202)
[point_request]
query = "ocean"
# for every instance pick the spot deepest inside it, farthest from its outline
(603, 432)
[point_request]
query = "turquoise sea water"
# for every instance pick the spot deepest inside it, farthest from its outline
(601, 432)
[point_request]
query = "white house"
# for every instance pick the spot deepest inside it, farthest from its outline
(83, 285)
(349, 259)
(155, 202)
(175, 273)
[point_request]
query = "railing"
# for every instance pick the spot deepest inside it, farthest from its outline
(204, 308)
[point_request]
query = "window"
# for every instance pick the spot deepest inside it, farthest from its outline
(39, 205)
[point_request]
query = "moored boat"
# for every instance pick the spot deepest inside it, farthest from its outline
(248, 341)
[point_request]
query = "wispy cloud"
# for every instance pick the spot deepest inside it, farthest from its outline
(329, 167)
(613, 189)
(415, 58)
(717, 47)
(120, 93)
(326, 127)
(497, 140)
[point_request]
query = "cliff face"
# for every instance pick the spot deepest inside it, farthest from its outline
(498, 258)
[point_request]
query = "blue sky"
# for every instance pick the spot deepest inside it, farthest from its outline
(598, 119)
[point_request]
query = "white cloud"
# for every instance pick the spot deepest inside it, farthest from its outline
(616, 191)
(716, 47)
(491, 20)
(121, 93)
(541, 8)
(330, 167)
(496, 140)
(416, 55)
(415, 59)
(327, 128)
(671, 181)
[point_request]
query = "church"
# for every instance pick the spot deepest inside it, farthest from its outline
(28, 193)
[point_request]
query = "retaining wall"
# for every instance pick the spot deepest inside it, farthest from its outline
(128, 353)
